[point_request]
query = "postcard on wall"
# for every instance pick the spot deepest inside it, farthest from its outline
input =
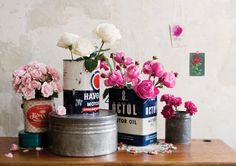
(197, 64)
(177, 35)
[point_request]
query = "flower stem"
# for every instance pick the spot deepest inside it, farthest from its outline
(100, 48)
(71, 55)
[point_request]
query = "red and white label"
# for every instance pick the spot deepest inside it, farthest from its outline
(37, 115)
(91, 109)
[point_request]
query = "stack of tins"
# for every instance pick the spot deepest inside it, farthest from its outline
(85, 130)
(136, 119)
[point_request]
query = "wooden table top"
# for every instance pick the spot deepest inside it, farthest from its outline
(196, 153)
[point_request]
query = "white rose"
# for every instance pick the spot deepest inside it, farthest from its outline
(67, 40)
(108, 33)
(83, 47)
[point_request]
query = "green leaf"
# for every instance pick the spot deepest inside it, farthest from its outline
(105, 93)
(93, 54)
(108, 63)
(90, 64)
(129, 86)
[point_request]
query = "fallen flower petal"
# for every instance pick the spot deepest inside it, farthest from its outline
(9, 155)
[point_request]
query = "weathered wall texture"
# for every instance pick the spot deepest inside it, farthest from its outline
(29, 31)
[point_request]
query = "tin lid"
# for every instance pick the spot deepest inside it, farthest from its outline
(100, 117)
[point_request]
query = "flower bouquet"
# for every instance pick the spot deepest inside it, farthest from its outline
(38, 84)
(178, 122)
(81, 75)
(134, 98)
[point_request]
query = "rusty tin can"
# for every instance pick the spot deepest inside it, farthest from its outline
(178, 128)
(83, 135)
(81, 88)
(36, 114)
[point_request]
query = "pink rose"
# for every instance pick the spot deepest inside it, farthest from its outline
(26, 79)
(16, 81)
(28, 93)
(132, 73)
(56, 86)
(34, 85)
(115, 79)
(146, 90)
(61, 110)
(190, 107)
(13, 147)
(53, 72)
(147, 68)
(36, 74)
(128, 61)
(119, 57)
(168, 112)
(168, 79)
(42, 68)
(157, 69)
(47, 89)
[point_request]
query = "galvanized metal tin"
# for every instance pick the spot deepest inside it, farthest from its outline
(81, 88)
(136, 119)
(83, 135)
(178, 128)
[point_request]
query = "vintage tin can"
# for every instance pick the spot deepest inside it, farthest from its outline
(81, 88)
(136, 119)
(36, 114)
(178, 128)
(83, 135)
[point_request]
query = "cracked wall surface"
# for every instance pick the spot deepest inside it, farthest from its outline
(29, 31)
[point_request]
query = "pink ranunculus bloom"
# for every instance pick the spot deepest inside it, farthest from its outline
(132, 73)
(157, 69)
(13, 147)
(168, 79)
(61, 110)
(34, 85)
(115, 78)
(28, 93)
(46, 90)
(190, 107)
(103, 65)
(119, 57)
(128, 61)
(42, 68)
(168, 112)
(146, 90)
(147, 68)
(53, 72)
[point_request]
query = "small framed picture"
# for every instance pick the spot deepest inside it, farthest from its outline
(177, 35)
(197, 64)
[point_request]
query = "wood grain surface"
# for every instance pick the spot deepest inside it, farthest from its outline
(197, 153)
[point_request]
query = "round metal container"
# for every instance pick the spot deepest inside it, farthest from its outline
(178, 128)
(83, 135)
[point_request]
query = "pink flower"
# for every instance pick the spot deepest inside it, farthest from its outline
(34, 85)
(167, 98)
(53, 72)
(13, 147)
(146, 90)
(46, 90)
(36, 74)
(147, 68)
(157, 69)
(28, 93)
(119, 57)
(103, 65)
(61, 110)
(177, 101)
(56, 86)
(168, 79)
(168, 112)
(115, 79)
(190, 107)
(26, 79)
(132, 73)
(177, 30)
(128, 61)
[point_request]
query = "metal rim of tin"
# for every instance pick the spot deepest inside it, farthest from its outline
(181, 115)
